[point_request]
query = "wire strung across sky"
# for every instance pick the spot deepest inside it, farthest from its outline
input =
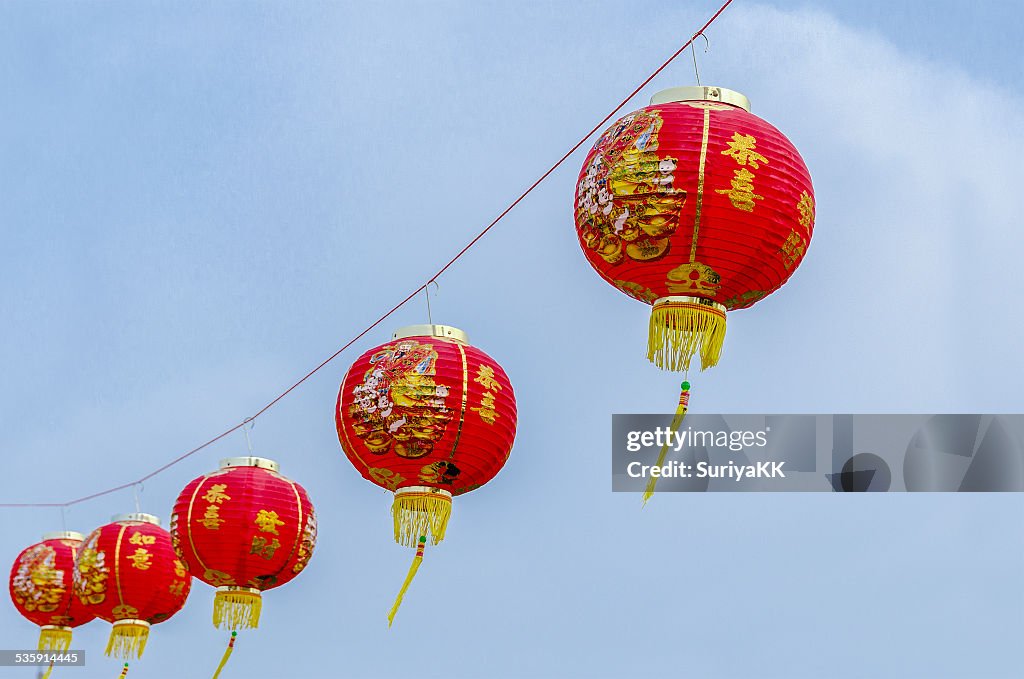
(398, 306)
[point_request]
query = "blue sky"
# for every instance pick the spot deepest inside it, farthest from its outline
(202, 201)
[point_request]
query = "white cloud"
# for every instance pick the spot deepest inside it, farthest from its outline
(913, 268)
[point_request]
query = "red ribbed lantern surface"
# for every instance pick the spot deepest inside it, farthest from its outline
(244, 529)
(127, 573)
(427, 416)
(696, 206)
(42, 590)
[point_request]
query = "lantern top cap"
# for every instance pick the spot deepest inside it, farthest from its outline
(63, 535)
(250, 461)
(445, 332)
(136, 516)
(719, 94)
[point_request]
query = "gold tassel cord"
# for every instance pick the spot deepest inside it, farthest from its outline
(227, 654)
(418, 514)
(237, 608)
(124, 672)
(128, 638)
(49, 670)
(678, 330)
(684, 403)
(54, 638)
(416, 561)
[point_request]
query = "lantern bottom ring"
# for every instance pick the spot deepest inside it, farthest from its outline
(689, 299)
(236, 588)
(426, 490)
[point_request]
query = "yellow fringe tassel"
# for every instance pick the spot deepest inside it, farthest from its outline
(416, 561)
(54, 638)
(420, 514)
(678, 330)
(227, 654)
(237, 608)
(684, 403)
(46, 674)
(128, 638)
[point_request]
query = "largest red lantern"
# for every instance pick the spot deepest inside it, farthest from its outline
(244, 529)
(41, 589)
(428, 417)
(127, 574)
(697, 207)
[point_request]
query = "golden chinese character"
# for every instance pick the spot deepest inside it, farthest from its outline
(261, 547)
(741, 148)
(211, 519)
(806, 208)
(792, 250)
(485, 377)
(742, 195)
(179, 568)
(176, 588)
(140, 539)
(141, 558)
(268, 522)
(486, 408)
(216, 493)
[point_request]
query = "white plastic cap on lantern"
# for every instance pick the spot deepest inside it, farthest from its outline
(136, 516)
(691, 93)
(250, 461)
(445, 332)
(63, 535)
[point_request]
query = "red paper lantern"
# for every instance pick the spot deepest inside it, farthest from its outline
(695, 206)
(41, 589)
(428, 417)
(243, 529)
(127, 574)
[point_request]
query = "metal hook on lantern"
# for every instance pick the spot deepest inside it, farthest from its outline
(426, 290)
(247, 424)
(693, 53)
(137, 487)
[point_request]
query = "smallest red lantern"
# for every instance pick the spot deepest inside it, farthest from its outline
(41, 589)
